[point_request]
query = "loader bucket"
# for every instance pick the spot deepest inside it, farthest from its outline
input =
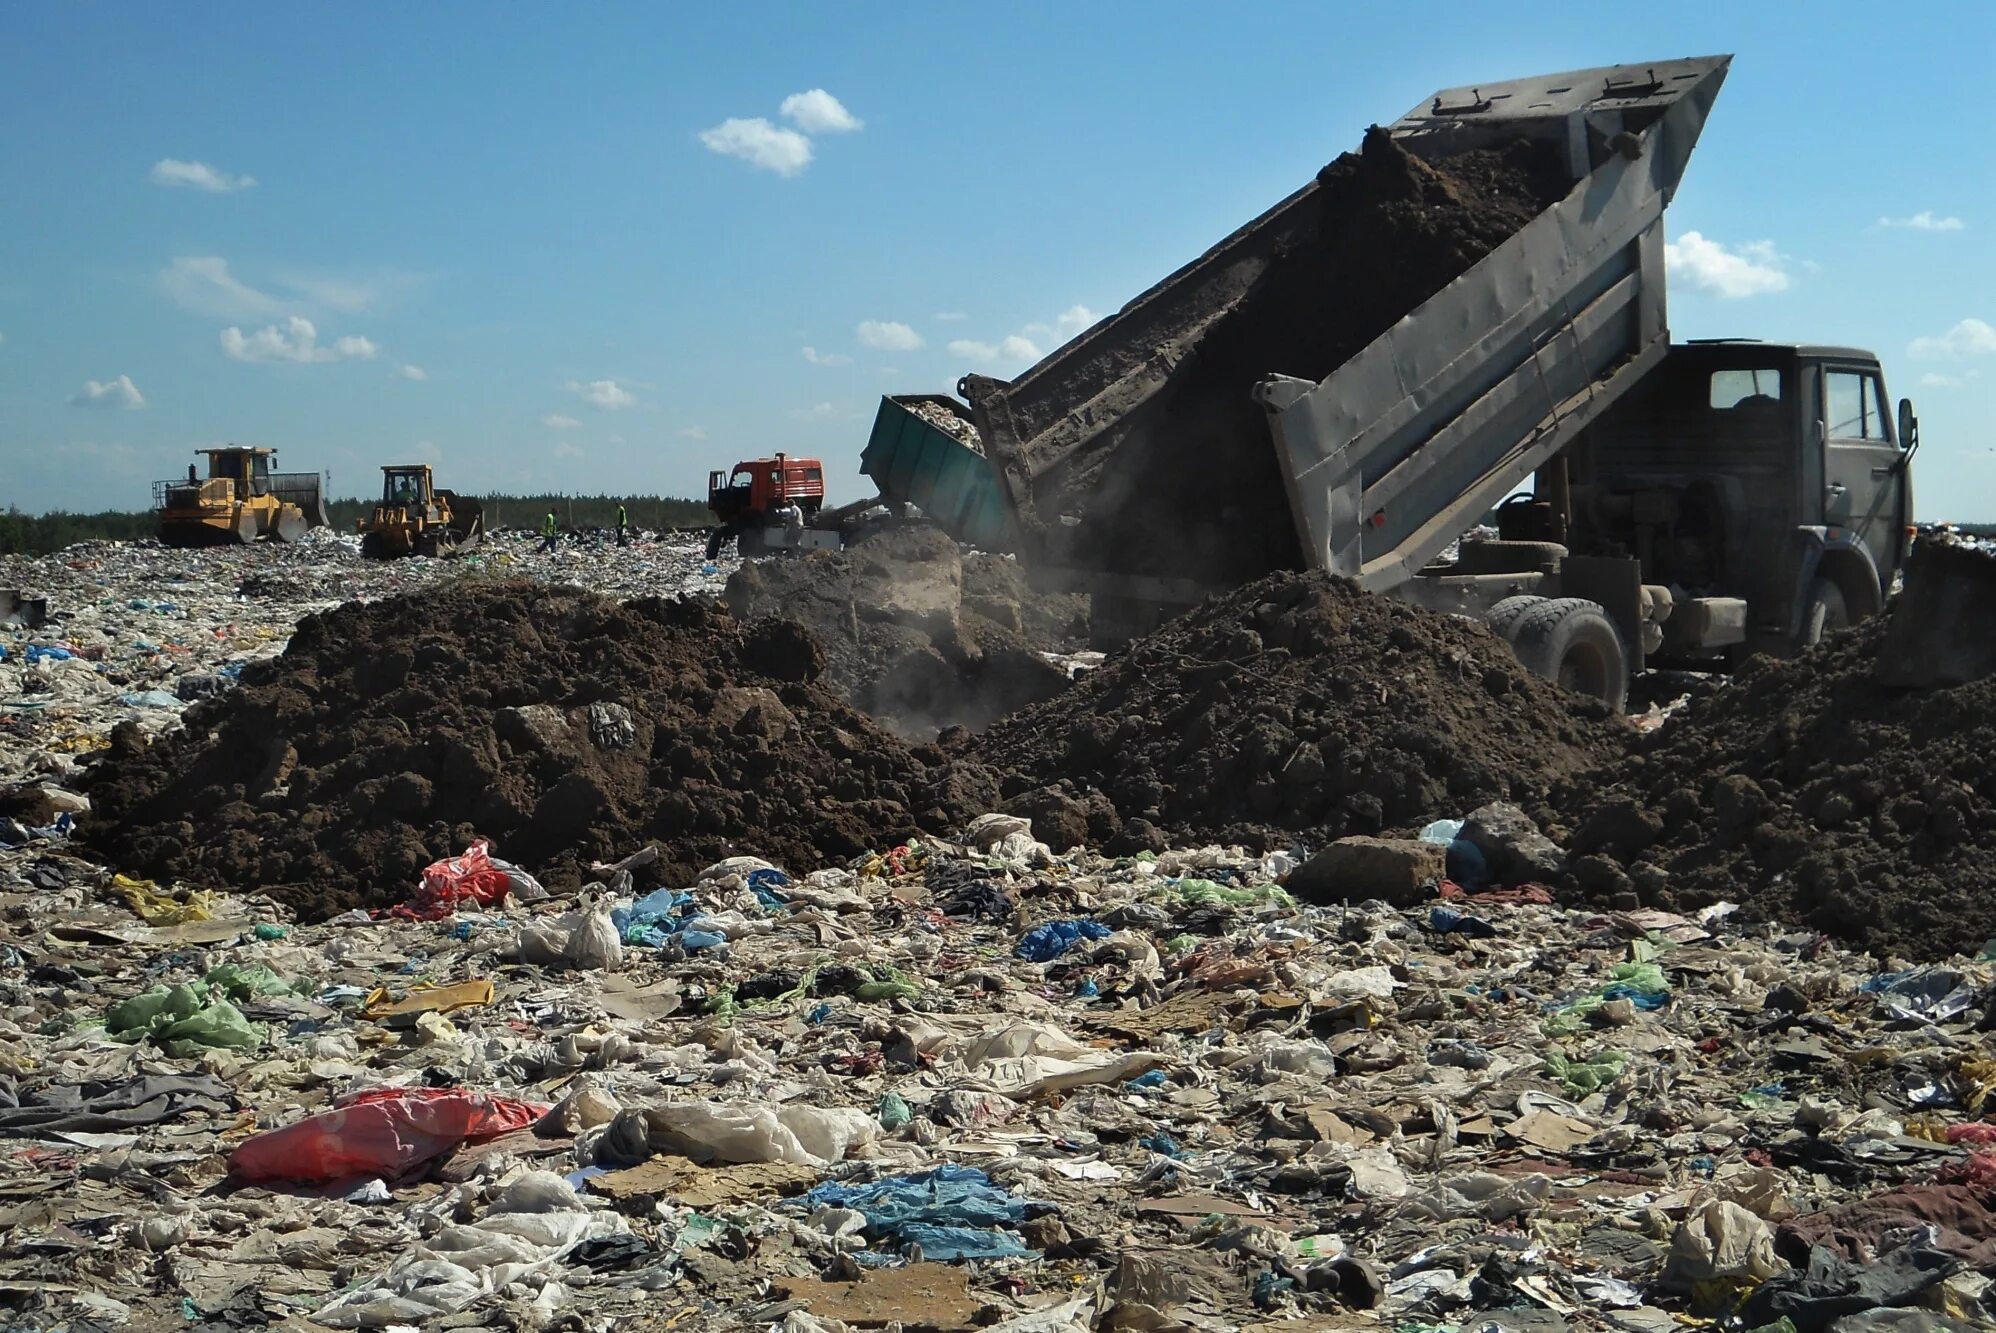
(1937, 633)
(306, 491)
(18, 612)
(289, 525)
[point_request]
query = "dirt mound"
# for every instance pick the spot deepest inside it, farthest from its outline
(1809, 792)
(1296, 705)
(918, 635)
(563, 726)
(1187, 484)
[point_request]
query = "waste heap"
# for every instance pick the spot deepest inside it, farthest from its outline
(558, 724)
(919, 634)
(1295, 707)
(954, 1082)
(1848, 789)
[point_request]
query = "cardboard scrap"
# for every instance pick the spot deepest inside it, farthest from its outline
(625, 999)
(424, 998)
(1331, 1127)
(1551, 1131)
(1187, 1011)
(698, 1186)
(1199, 1205)
(920, 1296)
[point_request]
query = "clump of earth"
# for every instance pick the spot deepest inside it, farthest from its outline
(564, 727)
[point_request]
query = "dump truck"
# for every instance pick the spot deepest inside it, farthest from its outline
(1465, 322)
(413, 517)
(240, 500)
(769, 504)
(924, 451)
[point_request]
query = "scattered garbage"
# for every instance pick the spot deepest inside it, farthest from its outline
(958, 1066)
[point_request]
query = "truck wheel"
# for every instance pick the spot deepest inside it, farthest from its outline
(1504, 617)
(1571, 640)
(1825, 611)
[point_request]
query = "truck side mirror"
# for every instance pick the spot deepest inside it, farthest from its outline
(1909, 426)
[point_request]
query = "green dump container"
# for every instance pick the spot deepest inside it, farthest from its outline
(914, 460)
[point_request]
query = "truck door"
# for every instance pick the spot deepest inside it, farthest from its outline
(1860, 461)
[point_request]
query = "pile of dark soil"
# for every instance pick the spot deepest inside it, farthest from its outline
(1186, 483)
(1811, 794)
(917, 634)
(564, 727)
(1296, 705)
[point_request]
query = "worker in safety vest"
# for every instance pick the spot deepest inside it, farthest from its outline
(623, 526)
(547, 533)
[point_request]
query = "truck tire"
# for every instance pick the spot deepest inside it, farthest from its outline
(1504, 617)
(1571, 640)
(1502, 557)
(1825, 611)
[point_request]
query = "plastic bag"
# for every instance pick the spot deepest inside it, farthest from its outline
(586, 939)
(1721, 1242)
(184, 1020)
(379, 1132)
(1044, 943)
(739, 1132)
(457, 881)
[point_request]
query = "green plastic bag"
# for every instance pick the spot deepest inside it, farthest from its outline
(246, 983)
(184, 1020)
(1588, 1074)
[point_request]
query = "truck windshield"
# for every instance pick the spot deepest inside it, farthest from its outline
(1731, 388)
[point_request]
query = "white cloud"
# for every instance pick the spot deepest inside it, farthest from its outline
(1014, 350)
(1065, 325)
(1925, 220)
(949, 317)
(602, 393)
(350, 294)
(1931, 380)
(887, 335)
(815, 412)
(197, 176)
(1753, 268)
(120, 392)
(297, 340)
(760, 144)
(693, 433)
(556, 421)
(427, 452)
(616, 439)
(1971, 337)
(203, 284)
(413, 373)
(818, 358)
(818, 112)
(1026, 346)
(567, 450)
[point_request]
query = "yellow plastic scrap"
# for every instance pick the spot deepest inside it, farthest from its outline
(1980, 1076)
(164, 909)
(424, 998)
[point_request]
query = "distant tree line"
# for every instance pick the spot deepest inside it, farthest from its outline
(38, 534)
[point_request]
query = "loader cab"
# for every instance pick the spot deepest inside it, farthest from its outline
(246, 469)
(405, 487)
(1766, 472)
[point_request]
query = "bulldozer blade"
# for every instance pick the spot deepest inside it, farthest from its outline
(18, 612)
(290, 525)
(1934, 637)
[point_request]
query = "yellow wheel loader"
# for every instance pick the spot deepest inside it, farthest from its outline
(239, 500)
(414, 518)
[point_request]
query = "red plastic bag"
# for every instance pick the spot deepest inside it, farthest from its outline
(379, 1132)
(454, 881)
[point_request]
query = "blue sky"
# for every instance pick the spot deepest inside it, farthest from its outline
(502, 237)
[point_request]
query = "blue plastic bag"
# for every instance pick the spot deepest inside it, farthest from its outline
(1043, 944)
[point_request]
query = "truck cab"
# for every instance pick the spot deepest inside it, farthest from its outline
(757, 485)
(1765, 485)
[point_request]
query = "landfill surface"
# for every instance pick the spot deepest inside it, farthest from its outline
(968, 1076)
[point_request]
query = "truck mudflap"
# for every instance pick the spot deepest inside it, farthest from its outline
(1408, 443)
